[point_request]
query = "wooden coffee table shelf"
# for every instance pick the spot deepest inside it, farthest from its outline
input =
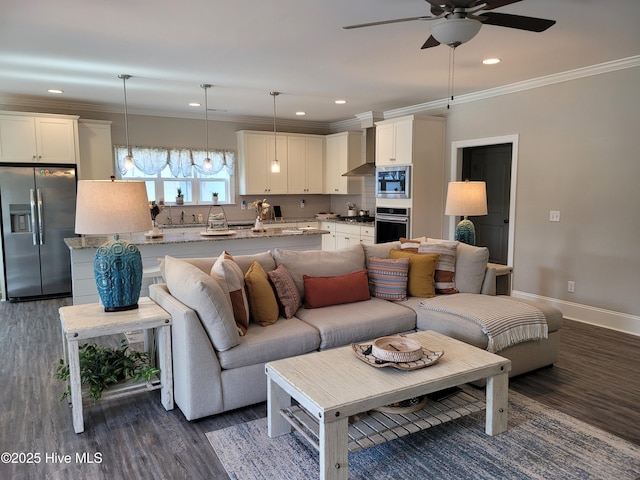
(334, 386)
(373, 428)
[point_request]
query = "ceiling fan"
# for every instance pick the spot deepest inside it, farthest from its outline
(458, 21)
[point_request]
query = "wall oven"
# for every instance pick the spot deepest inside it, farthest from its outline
(391, 223)
(393, 182)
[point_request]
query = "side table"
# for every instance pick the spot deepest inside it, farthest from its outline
(503, 278)
(83, 321)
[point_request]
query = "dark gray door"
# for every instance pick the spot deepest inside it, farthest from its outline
(491, 164)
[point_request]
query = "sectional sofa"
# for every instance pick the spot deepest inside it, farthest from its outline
(230, 313)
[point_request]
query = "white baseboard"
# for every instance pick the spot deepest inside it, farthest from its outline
(622, 322)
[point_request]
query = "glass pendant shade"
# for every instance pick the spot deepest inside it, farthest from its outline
(455, 31)
(275, 163)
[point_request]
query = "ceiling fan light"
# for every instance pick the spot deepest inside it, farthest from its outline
(455, 31)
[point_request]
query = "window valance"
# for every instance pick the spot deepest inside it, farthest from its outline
(182, 162)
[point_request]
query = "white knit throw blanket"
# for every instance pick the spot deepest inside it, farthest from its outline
(505, 321)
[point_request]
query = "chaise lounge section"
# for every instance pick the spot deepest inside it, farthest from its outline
(219, 357)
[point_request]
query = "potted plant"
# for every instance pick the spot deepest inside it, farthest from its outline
(179, 197)
(102, 367)
(215, 198)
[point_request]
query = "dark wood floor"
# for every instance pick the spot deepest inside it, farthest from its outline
(597, 379)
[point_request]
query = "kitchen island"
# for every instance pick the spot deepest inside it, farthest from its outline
(189, 244)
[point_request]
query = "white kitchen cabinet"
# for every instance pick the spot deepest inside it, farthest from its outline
(328, 239)
(394, 142)
(367, 235)
(306, 164)
(343, 153)
(255, 154)
(38, 138)
(347, 235)
(96, 160)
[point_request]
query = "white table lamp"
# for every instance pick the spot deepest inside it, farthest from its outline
(466, 199)
(106, 207)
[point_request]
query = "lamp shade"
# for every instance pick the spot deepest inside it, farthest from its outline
(455, 31)
(466, 199)
(110, 207)
(107, 207)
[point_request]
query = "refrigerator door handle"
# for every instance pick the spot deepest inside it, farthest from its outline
(40, 217)
(32, 201)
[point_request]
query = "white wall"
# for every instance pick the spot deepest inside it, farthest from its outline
(578, 153)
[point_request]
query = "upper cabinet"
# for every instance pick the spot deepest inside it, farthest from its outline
(96, 160)
(38, 138)
(306, 164)
(394, 141)
(256, 152)
(343, 153)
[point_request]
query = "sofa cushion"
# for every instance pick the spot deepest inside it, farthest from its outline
(319, 263)
(388, 278)
(265, 259)
(201, 293)
(445, 273)
(422, 267)
(471, 266)
(380, 250)
(262, 299)
(286, 291)
(228, 270)
(324, 291)
(341, 325)
(285, 338)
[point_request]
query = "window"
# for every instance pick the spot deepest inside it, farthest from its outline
(164, 170)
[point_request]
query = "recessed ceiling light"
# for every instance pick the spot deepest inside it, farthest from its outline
(340, 102)
(301, 113)
(55, 90)
(194, 104)
(491, 61)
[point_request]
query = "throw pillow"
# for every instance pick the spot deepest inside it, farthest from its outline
(262, 300)
(324, 291)
(388, 277)
(421, 272)
(201, 293)
(286, 290)
(445, 273)
(226, 268)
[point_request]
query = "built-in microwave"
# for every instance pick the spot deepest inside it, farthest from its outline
(393, 182)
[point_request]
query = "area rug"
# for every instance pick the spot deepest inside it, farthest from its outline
(541, 443)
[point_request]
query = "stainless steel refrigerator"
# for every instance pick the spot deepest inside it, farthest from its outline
(38, 212)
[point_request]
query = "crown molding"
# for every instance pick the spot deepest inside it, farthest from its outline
(607, 67)
(356, 123)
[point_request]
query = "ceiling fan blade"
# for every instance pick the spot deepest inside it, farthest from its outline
(431, 42)
(491, 4)
(531, 24)
(384, 22)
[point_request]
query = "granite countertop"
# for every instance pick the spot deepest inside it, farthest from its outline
(187, 237)
(240, 224)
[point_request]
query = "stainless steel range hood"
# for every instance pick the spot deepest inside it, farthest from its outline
(367, 169)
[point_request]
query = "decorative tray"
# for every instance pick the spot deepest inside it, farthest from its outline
(153, 235)
(326, 216)
(217, 233)
(364, 352)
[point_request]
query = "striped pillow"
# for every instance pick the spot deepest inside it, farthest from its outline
(388, 278)
(445, 275)
(286, 290)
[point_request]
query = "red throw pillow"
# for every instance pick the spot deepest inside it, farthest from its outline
(324, 291)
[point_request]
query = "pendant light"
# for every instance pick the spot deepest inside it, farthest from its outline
(275, 164)
(128, 160)
(207, 161)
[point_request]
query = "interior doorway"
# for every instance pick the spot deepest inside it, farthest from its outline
(493, 160)
(491, 164)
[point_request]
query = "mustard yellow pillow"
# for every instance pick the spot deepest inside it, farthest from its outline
(263, 306)
(422, 267)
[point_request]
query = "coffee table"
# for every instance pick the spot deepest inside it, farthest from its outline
(333, 386)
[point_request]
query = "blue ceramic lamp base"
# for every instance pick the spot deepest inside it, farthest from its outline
(466, 232)
(117, 268)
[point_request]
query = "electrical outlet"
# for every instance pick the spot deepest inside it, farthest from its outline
(302, 204)
(554, 216)
(571, 286)
(243, 205)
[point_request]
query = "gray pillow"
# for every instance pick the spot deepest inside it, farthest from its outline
(200, 292)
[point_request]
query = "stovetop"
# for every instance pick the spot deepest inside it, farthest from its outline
(358, 218)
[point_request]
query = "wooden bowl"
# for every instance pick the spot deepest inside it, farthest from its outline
(396, 349)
